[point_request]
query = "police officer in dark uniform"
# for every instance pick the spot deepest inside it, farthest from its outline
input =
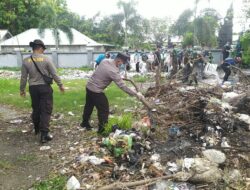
(37, 68)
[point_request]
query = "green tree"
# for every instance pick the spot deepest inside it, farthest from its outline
(226, 30)
(158, 30)
(245, 41)
(188, 39)
(17, 16)
(130, 17)
(206, 25)
(110, 30)
(183, 23)
(54, 15)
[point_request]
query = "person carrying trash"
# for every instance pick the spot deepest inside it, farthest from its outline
(106, 72)
(41, 72)
(226, 68)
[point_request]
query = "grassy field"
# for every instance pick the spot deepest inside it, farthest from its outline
(72, 100)
(59, 70)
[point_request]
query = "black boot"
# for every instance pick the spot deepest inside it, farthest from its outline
(37, 130)
(36, 127)
(45, 137)
(86, 125)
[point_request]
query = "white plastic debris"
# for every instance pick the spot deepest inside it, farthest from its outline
(187, 163)
(155, 158)
(158, 166)
(200, 170)
(235, 175)
(45, 148)
(16, 121)
(184, 89)
(227, 96)
(72, 148)
(172, 166)
(71, 113)
(73, 183)
(244, 117)
(224, 143)
(96, 161)
(84, 158)
(214, 156)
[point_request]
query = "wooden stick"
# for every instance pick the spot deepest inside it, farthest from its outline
(247, 149)
(133, 83)
(120, 185)
(238, 69)
(145, 103)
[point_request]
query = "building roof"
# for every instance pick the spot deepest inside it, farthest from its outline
(27, 36)
(3, 33)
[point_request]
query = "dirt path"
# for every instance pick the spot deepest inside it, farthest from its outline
(21, 161)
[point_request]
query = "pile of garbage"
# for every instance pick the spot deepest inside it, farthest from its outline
(212, 106)
(193, 138)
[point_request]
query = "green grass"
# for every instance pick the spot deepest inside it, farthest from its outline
(85, 68)
(62, 71)
(141, 79)
(11, 68)
(27, 157)
(72, 100)
(5, 164)
(124, 122)
(53, 183)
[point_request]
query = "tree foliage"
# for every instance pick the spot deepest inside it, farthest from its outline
(226, 30)
(125, 28)
(201, 27)
(205, 30)
(183, 23)
(17, 16)
(55, 12)
(158, 30)
(245, 41)
(188, 39)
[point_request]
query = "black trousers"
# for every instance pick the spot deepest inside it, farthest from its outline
(42, 105)
(137, 67)
(226, 70)
(100, 101)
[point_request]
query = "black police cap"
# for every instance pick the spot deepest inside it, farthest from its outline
(37, 42)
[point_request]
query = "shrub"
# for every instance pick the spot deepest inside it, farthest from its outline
(245, 43)
(124, 122)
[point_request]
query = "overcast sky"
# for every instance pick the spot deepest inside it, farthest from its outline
(157, 8)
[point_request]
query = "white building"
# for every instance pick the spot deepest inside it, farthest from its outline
(80, 42)
(4, 35)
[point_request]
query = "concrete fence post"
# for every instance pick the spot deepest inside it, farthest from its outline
(90, 55)
(19, 58)
(55, 58)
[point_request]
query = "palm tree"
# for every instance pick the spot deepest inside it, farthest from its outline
(53, 13)
(195, 16)
(130, 16)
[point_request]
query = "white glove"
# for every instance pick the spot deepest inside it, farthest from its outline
(139, 96)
